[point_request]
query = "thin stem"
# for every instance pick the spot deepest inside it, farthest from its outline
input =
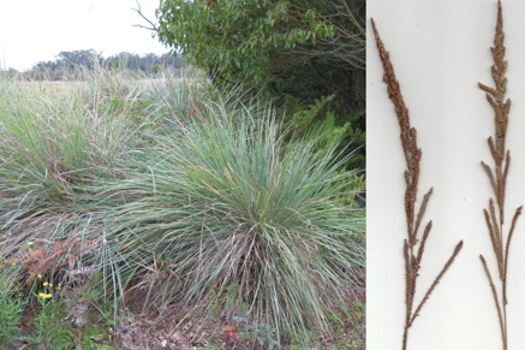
(405, 336)
(501, 310)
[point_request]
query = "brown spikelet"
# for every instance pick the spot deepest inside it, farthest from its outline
(492, 233)
(487, 89)
(413, 254)
(511, 231)
(421, 249)
(421, 212)
(495, 217)
(488, 170)
(506, 171)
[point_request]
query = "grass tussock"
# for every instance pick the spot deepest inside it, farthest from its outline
(167, 193)
(232, 205)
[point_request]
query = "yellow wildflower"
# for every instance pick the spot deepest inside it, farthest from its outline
(40, 276)
(45, 295)
(59, 287)
(29, 243)
(13, 264)
(47, 284)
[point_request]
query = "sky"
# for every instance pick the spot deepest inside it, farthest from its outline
(38, 30)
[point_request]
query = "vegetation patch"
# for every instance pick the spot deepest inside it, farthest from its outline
(171, 208)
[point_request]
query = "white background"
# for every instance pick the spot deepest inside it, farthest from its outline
(440, 50)
(38, 30)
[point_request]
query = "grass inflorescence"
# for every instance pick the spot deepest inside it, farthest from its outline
(415, 243)
(495, 214)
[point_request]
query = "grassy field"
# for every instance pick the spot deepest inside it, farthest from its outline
(163, 214)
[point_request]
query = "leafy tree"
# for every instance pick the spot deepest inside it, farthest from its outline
(71, 60)
(68, 64)
(300, 51)
(306, 48)
(148, 64)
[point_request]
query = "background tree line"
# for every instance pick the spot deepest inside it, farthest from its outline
(68, 64)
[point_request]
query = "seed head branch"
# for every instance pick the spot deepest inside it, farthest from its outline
(445, 268)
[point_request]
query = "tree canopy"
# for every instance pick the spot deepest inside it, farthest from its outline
(302, 48)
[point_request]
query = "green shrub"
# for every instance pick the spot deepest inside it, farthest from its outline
(319, 118)
(50, 332)
(11, 307)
